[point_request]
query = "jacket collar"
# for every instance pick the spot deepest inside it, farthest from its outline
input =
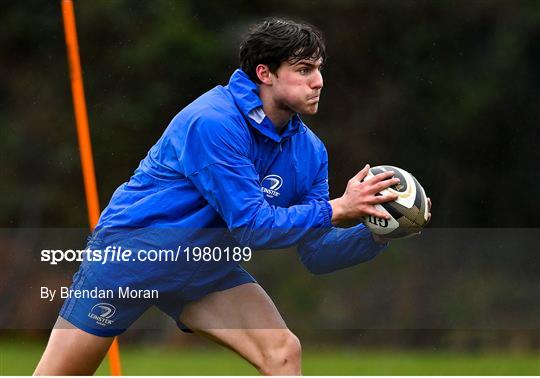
(246, 96)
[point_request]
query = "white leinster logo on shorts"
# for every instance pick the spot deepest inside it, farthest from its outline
(270, 185)
(102, 313)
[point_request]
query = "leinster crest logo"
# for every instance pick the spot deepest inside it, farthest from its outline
(270, 185)
(102, 313)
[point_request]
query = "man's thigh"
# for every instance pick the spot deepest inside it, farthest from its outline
(71, 351)
(242, 307)
(245, 319)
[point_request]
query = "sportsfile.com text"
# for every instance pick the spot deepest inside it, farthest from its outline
(119, 254)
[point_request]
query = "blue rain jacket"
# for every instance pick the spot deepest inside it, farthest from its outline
(221, 164)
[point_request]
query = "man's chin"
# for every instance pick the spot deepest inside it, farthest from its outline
(310, 110)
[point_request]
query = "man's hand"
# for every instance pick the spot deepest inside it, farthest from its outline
(360, 198)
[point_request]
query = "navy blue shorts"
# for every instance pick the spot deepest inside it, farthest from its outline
(101, 299)
(107, 312)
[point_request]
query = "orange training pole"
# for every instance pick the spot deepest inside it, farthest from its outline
(85, 146)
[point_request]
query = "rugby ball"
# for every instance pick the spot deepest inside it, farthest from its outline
(408, 214)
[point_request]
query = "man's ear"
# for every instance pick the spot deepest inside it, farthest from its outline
(264, 74)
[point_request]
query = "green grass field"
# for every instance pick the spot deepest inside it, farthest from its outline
(20, 358)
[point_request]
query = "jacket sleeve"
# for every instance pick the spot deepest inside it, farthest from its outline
(216, 160)
(327, 250)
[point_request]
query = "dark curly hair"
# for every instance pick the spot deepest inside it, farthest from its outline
(276, 40)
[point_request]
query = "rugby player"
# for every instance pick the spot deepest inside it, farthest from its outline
(235, 168)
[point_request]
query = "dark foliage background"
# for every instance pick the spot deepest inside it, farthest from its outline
(448, 90)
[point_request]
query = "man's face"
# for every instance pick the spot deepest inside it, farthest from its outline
(297, 87)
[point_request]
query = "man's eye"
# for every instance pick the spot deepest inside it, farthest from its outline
(303, 71)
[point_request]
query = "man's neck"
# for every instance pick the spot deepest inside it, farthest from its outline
(279, 117)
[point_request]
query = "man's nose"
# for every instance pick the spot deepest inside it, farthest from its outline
(317, 81)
